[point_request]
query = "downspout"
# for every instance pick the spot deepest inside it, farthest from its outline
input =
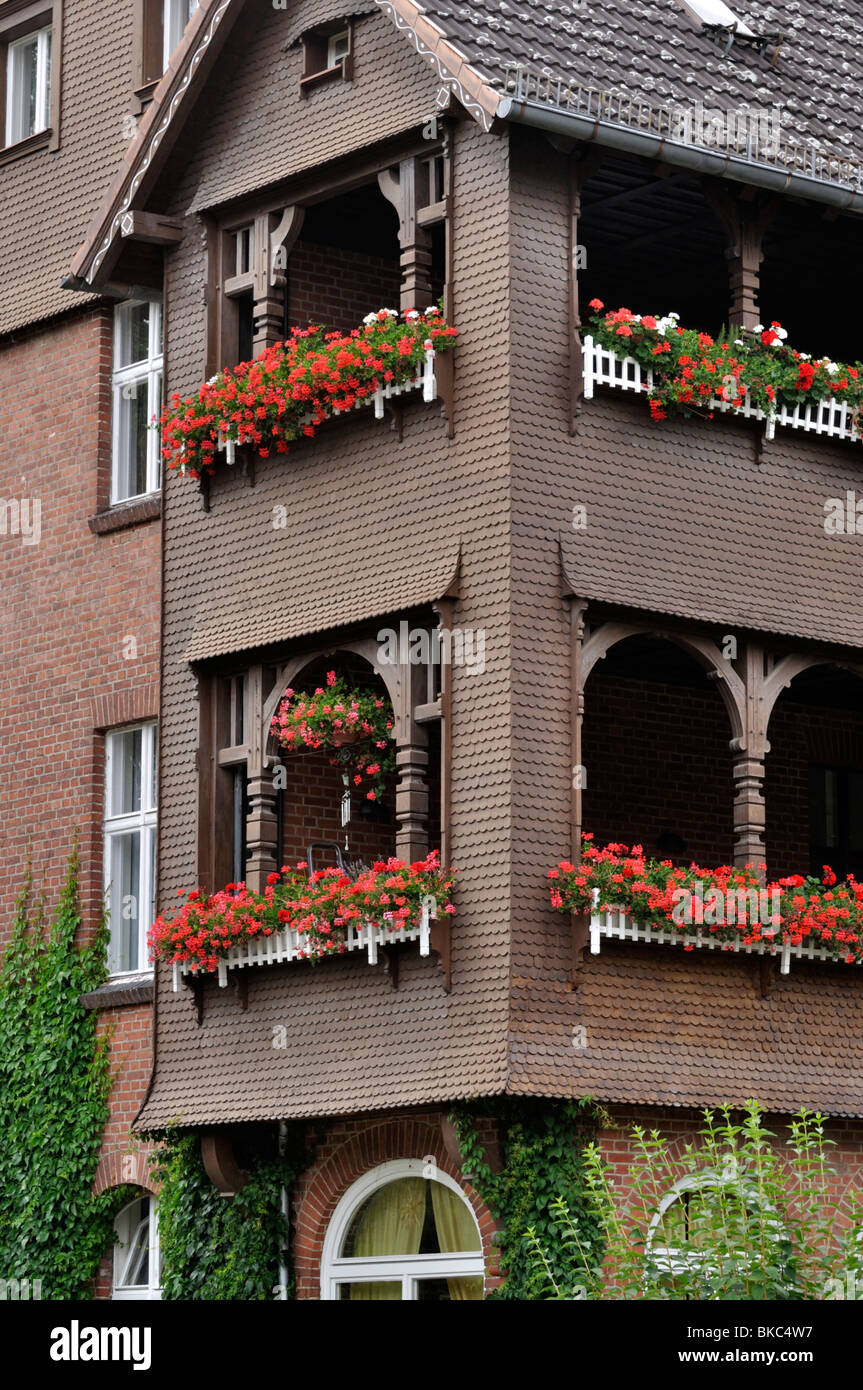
(283, 1200)
(703, 161)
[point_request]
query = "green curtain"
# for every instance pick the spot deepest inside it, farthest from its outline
(392, 1224)
(456, 1230)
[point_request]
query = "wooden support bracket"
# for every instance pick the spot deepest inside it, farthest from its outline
(204, 490)
(195, 985)
(217, 1155)
(440, 940)
(241, 982)
(391, 964)
(397, 420)
(766, 975)
(579, 937)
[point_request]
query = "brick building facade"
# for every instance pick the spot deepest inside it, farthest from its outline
(693, 649)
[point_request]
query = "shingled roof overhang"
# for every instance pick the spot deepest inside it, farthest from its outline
(175, 97)
(555, 120)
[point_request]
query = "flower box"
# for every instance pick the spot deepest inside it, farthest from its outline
(287, 946)
(752, 373)
(617, 925)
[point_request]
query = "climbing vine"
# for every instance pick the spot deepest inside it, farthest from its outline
(215, 1247)
(543, 1144)
(54, 1084)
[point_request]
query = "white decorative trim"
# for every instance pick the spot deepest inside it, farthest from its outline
(154, 140)
(616, 925)
(602, 367)
(470, 103)
(336, 1269)
(281, 948)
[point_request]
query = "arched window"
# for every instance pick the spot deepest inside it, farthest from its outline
(711, 1228)
(404, 1231)
(137, 1265)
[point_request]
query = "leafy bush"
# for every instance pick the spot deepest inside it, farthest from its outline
(733, 1217)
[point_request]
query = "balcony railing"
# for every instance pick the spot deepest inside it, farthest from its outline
(283, 947)
(602, 367)
(423, 380)
(616, 925)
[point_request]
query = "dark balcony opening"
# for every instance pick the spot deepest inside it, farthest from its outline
(810, 281)
(346, 262)
(311, 802)
(652, 244)
(814, 776)
(656, 755)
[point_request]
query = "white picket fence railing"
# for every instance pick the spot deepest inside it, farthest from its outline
(617, 925)
(423, 380)
(602, 367)
(283, 947)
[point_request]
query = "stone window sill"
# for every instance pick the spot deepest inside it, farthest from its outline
(124, 514)
(134, 989)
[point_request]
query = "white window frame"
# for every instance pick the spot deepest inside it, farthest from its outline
(15, 126)
(672, 1260)
(143, 820)
(144, 375)
(175, 16)
(126, 1228)
(408, 1270)
(334, 58)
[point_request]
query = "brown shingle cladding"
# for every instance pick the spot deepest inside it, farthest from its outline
(367, 509)
(309, 594)
(47, 197)
(665, 1026)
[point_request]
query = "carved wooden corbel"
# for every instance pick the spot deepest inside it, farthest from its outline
(217, 1155)
(440, 941)
(195, 986)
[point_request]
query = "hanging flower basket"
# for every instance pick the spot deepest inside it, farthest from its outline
(294, 386)
(353, 720)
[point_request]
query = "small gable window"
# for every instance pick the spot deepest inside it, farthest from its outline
(29, 77)
(328, 54)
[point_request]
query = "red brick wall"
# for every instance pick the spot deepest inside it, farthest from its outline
(681, 1127)
(800, 735)
(338, 288)
(657, 760)
(344, 1151)
(70, 603)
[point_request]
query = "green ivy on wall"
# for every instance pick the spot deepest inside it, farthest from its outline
(542, 1147)
(55, 1081)
(215, 1247)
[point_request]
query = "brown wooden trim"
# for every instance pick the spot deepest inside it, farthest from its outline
(217, 1155)
(152, 227)
(118, 994)
(40, 141)
(125, 514)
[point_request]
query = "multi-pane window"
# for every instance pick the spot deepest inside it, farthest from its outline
(175, 16)
(338, 48)
(137, 383)
(28, 85)
(137, 1272)
(130, 844)
(836, 820)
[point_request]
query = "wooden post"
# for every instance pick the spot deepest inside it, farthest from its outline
(580, 169)
(412, 797)
(749, 806)
(261, 827)
(273, 245)
(414, 239)
(745, 221)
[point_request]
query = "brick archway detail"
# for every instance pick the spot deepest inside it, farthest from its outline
(346, 1156)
